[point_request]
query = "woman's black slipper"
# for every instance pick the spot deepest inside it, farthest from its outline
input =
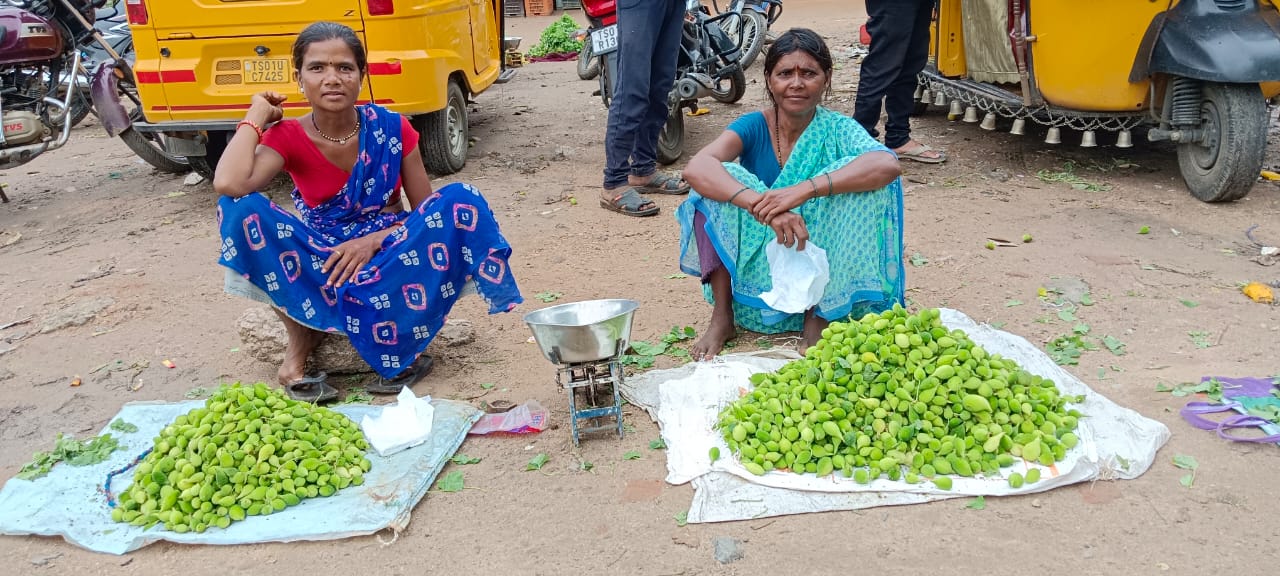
(420, 368)
(313, 389)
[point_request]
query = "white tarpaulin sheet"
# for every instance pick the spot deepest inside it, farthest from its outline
(1115, 442)
(69, 501)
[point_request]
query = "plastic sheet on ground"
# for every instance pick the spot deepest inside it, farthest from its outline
(69, 502)
(1115, 442)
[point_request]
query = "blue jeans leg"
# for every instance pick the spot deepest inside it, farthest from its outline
(648, 47)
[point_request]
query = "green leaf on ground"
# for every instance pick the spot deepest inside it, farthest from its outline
(1200, 339)
(1067, 315)
(1189, 303)
(487, 385)
(1185, 462)
(585, 466)
(675, 276)
(74, 452)
(1114, 345)
(452, 482)
(632, 455)
(682, 518)
(548, 296)
(463, 459)
(357, 396)
(1086, 299)
(646, 349)
(979, 503)
(122, 426)
(1188, 480)
(1081, 329)
(1144, 230)
(197, 392)
(918, 259)
(1162, 387)
(1011, 303)
(537, 462)
(658, 444)
(763, 342)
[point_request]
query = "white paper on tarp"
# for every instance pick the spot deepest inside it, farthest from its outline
(1115, 442)
(69, 502)
(799, 277)
(403, 425)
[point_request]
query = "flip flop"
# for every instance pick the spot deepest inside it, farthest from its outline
(664, 184)
(918, 154)
(313, 389)
(420, 368)
(629, 202)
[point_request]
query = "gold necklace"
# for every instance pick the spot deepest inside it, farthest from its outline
(339, 141)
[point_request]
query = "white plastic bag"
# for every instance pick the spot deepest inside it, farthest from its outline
(404, 425)
(799, 277)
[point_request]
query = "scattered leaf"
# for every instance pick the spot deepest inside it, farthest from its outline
(632, 455)
(646, 349)
(1189, 303)
(763, 342)
(658, 444)
(1188, 479)
(585, 466)
(122, 426)
(676, 276)
(1200, 339)
(918, 259)
(452, 482)
(487, 385)
(548, 297)
(1162, 387)
(641, 362)
(197, 392)
(997, 325)
(682, 518)
(1081, 329)
(1114, 345)
(1086, 299)
(537, 462)
(463, 460)
(74, 452)
(979, 503)
(1012, 303)
(1124, 463)
(1144, 230)
(1067, 315)
(1185, 462)
(357, 396)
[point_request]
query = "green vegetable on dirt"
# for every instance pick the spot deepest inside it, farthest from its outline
(897, 394)
(1026, 238)
(248, 451)
(74, 452)
(557, 38)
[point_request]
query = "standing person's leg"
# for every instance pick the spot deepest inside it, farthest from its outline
(899, 99)
(662, 77)
(638, 25)
(890, 32)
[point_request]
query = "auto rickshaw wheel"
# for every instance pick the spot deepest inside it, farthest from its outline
(1225, 164)
(445, 134)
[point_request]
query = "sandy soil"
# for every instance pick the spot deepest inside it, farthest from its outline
(99, 227)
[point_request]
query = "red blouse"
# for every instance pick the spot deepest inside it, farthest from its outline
(317, 179)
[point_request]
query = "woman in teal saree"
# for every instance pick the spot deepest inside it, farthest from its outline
(804, 174)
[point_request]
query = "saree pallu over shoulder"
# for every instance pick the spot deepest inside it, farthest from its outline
(861, 232)
(395, 306)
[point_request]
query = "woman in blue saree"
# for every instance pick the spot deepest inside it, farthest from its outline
(804, 174)
(354, 262)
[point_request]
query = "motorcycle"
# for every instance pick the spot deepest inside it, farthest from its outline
(707, 65)
(113, 26)
(41, 40)
(752, 25)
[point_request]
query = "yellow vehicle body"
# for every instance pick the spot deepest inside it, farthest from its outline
(1072, 67)
(201, 60)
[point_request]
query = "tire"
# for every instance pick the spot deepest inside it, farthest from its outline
(80, 109)
(671, 139)
(150, 147)
(204, 165)
(1235, 119)
(446, 136)
(606, 78)
(588, 64)
(748, 32)
(734, 91)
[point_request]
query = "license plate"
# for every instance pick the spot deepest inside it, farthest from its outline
(605, 40)
(266, 71)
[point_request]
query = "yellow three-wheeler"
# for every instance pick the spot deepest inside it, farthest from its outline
(1196, 72)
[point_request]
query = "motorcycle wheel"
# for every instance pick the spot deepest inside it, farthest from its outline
(1234, 116)
(749, 33)
(80, 109)
(671, 139)
(733, 93)
(588, 64)
(149, 146)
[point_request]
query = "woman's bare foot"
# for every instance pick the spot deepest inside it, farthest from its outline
(812, 332)
(712, 341)
(302, 341)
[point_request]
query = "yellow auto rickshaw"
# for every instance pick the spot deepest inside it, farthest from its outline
(199, 62)
(1195, 72)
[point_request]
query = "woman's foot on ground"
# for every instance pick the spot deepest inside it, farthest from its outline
(913, 150)
(296, 353)
(712, 341)
(812, 331)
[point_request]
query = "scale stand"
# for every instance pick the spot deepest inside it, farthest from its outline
(595, 395)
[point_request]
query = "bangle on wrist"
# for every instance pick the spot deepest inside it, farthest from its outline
(735, 194)
(830, 187)
(813, 188)
(250, 123)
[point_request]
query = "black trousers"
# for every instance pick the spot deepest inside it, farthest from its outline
(899, 32)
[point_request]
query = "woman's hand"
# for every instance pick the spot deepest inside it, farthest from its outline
(790, 229)
(778, 202)
(349, 257)
(264, 108)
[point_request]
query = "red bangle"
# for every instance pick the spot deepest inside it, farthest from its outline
(251, 124)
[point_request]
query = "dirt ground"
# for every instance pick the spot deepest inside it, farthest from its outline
(132, 253)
